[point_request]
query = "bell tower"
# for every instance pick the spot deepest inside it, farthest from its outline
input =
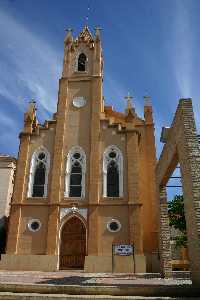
(82, 56)
(80, 104)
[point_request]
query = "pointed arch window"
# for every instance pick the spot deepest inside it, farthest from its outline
(39, 170)
(82, 59)
(112, 172)
(75, 173)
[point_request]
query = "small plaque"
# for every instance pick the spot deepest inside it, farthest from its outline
(123, 250)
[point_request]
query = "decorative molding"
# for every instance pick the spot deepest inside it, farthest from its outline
(74, 210)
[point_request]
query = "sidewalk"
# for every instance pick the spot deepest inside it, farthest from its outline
(84, 279)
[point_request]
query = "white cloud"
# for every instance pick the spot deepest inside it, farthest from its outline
(183, 56)
(6, 121)
(183, 51)
(30, 67)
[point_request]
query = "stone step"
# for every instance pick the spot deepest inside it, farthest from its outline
(143, 291)
(35, 296)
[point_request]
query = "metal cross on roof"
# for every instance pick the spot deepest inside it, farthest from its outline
(32, 101)
(129, 100)
(69, 30)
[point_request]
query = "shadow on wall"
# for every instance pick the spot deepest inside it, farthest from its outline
(3, 234)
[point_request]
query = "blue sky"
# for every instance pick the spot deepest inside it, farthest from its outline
(150, 46)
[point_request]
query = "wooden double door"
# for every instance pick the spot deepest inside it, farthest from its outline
(73, 244)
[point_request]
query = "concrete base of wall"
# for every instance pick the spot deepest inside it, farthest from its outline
(140, 264)
(98, 264)
(93, 264)
(153, 262)
(117, 264)
(29, 262)
(123, 264)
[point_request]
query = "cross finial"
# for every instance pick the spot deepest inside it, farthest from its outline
(70, 30)
(97, 28)
(129, 100)
(68, 37)
(147, 100)
(98, 31)
(32, 101)
(32, 105)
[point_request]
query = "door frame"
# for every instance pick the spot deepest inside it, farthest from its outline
(63, 222)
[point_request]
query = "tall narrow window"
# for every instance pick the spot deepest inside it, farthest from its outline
(82, 62)
(112, 180)
(75, 173)
(75, 180)
(112, 172)
(38, 179)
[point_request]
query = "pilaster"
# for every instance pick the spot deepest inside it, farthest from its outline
(135, 220)
(56, 192)
(135, 225)
(19, 192)
(93, 231)
(94, 182)
(132, 167)
(151, 198)
(13, 229)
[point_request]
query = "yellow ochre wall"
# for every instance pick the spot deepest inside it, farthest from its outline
(94, 130)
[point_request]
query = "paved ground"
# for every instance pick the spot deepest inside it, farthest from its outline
(84, 279)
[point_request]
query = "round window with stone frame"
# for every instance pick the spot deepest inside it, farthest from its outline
(114, 225)
(34, 225)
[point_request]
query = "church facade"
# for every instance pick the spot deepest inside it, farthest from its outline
(85, 180)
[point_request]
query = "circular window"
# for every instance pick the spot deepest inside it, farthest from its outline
(79, 102)
(114, 225)
(76, 155)
(34, 225)
(112, 154)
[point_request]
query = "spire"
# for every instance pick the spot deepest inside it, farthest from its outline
(31, 109)
(130, 111)
(30, 120)
(68, 37)
(147, 101)
(129, 101)
(98, 33)
(148, 110)
(85, 35)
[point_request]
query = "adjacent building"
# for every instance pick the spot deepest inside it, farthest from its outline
(7, 171)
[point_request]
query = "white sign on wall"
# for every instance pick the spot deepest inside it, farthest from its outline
(123, 250)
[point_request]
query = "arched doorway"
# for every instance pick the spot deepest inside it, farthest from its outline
(73, 244)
